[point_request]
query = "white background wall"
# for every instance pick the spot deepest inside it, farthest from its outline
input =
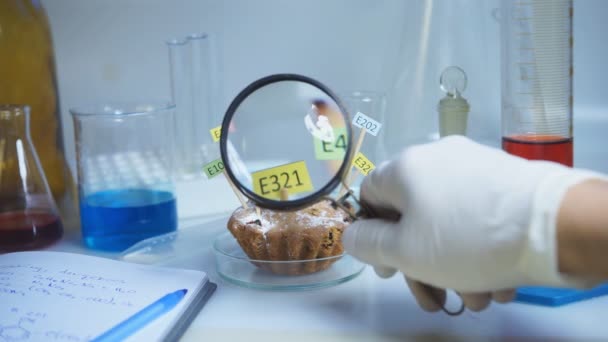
(114, 50)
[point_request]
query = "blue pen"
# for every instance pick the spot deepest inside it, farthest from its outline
(151, 312)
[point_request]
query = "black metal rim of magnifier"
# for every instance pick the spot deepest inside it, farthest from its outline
(265, 202)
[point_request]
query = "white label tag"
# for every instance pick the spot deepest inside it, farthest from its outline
(365, 122)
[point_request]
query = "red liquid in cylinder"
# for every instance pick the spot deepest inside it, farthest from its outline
(540, 147)
(28, 230)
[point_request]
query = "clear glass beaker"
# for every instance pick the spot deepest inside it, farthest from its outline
(373, 105)
(537, 79)
(124, 157)
(28, 215)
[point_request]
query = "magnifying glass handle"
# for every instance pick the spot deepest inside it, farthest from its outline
(366, 211)
(452, 313)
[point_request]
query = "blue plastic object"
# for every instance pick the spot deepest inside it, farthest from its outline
(550, 296)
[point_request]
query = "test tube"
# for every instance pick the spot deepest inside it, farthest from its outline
(204, 94)
(187, 154)
(195, 88)
(537, 79)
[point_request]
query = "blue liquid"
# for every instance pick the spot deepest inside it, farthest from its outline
(114, 220)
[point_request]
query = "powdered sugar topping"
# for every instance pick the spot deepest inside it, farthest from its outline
(318, 215)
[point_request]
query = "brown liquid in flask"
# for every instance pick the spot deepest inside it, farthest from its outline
(27, 76)
(28, 216)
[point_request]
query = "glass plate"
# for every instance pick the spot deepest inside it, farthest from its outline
(234, 266)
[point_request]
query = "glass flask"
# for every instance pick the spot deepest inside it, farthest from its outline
(28, 216)
(28, 77)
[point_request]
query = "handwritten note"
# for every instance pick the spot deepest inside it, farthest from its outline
(45, 295)
(293, 176)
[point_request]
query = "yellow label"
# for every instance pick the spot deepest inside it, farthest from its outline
(363, 164)
(293, 176)
(216, 132)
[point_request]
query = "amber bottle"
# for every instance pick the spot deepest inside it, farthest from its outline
(27, 77)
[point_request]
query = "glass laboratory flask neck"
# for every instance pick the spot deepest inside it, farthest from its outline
(14, 122)
(28, 215)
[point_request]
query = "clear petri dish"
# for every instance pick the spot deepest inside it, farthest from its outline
(233, 265)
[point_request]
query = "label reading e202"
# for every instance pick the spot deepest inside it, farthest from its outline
(370, 125)
(293, 177)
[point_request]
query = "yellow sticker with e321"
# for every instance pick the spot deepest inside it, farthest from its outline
(293, 177)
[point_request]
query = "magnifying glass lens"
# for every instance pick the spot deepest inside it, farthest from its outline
(285, 141)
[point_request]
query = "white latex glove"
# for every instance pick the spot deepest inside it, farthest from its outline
(473, 219)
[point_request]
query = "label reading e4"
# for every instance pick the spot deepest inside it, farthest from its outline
(214, 168)
(293, 177)
(334, 150)
(365, 122)
(216, 133)
(364, 165)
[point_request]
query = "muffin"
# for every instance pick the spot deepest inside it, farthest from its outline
(314, 232)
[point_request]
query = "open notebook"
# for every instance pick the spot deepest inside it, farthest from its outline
(48, 296)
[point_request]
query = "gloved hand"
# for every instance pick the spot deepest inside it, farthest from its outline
(473, 219)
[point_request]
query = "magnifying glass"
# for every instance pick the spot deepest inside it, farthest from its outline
(286, 142)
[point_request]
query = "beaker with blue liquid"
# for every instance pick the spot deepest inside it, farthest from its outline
(124, 156)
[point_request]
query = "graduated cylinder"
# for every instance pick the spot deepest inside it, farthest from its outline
(537, 79)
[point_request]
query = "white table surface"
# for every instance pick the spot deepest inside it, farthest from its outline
(366, 308)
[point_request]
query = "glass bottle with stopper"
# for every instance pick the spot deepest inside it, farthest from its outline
(453, 108)
(28, 215)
